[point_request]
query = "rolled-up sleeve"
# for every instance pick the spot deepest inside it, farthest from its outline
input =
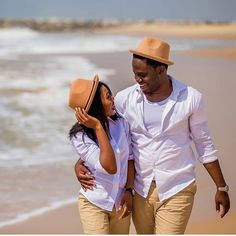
(88, 151)
(200, 133)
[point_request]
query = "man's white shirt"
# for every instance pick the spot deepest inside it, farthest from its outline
(166, 155)
(152, 114)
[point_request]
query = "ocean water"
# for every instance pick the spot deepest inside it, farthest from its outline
(36, 158)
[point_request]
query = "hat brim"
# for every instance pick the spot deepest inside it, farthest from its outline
(92, 93)
(167, 62)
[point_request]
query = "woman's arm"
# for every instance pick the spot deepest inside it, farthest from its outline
(107, 156)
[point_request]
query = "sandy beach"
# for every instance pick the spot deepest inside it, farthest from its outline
(176, 29)
(210, 70)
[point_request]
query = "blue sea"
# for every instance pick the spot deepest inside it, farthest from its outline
(36, 158)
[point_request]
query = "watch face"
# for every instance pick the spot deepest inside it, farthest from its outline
(131, 191)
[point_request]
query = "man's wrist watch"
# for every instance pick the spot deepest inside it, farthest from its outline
(130, 190)
(223, 189)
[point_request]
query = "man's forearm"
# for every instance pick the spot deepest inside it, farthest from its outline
(214, 170)
(131, 175)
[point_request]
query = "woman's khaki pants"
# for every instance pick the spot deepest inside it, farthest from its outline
(98, 221)
(171, 216)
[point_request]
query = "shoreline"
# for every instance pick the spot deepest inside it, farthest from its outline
(65, 221)
(190, 30)
(221, 30)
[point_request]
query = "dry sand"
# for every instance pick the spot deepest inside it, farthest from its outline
(181, 29)
(221, 113)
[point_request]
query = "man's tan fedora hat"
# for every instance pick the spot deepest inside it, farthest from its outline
(155, 49)
(82, 93)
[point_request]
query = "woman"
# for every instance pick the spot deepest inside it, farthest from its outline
(100, 137)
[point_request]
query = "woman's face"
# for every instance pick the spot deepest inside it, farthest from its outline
(107, 102)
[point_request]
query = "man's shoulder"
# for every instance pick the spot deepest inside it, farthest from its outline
(191, 90)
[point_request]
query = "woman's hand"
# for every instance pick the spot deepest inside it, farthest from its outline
(85, 119)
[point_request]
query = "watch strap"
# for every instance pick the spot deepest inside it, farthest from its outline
(130, 190)
(223, 189)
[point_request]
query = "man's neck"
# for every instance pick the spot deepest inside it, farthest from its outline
(162, 93)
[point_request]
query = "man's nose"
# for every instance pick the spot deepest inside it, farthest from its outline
(138, 79)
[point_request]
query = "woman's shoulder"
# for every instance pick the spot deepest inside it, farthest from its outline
(81, 138)
(119, 120)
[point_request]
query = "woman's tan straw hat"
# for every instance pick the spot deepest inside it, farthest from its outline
(82, 93)
(155, 49)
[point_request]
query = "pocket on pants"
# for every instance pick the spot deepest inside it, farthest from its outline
(192, 188)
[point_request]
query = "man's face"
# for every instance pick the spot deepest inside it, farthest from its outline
(146, 76)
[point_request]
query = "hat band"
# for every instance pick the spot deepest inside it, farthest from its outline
(154, 53)
(85, 107)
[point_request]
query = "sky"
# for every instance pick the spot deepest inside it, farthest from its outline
(196, 10)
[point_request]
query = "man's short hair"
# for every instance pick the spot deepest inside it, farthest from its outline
(151, 62)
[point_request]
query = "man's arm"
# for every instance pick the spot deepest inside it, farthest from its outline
(221, 198)
(131, 175)
(84, 176)
(126, 203)
(207, 152)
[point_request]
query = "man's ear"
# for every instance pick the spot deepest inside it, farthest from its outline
(160, 69)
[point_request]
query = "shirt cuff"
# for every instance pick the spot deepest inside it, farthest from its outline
(208, 158)
(131, 157)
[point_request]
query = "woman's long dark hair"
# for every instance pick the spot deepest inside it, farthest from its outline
(96, 110)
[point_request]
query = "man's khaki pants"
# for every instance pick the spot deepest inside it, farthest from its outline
(98, 221)
(171, 216)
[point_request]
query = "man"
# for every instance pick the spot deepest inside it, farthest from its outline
(165, 116)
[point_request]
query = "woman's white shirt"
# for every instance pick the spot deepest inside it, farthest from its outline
(109, 188)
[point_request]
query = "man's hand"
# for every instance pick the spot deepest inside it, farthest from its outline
(84, 176)
(126, 204)
(221, 198)
(222, 203)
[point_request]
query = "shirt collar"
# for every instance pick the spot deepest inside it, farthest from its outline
(178, 87)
